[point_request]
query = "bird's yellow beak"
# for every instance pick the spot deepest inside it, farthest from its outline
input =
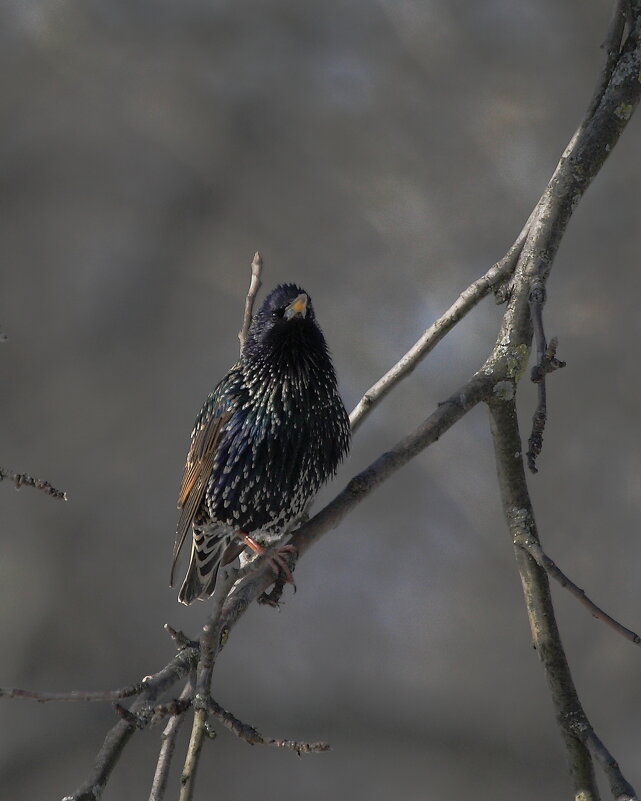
(297, 308)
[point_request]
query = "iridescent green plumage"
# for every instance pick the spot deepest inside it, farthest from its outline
(270, 434)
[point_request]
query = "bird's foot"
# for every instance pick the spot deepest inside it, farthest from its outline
(272, 598)
(276, 561)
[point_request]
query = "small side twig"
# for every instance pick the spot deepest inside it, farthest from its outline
(546, 362)
(250, 735)
(180, 638)
(254, 286)
(73, 695)
(25, 480)
(554, 571)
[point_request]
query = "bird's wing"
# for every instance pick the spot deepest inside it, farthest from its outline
(198, 467)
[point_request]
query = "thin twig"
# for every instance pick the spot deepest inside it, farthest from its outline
(180, 638)
(25, 480)
(553, 570)
(254, 286)
(73, 695)
(249, 734)
(168, 745)
(465, 302)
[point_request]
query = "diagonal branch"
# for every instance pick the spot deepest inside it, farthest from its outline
(249, 734)
(465, 302)
(119, 735)
(551, 568)
(546, 639)
(612, 48)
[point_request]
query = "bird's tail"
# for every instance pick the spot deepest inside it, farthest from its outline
(206, 554)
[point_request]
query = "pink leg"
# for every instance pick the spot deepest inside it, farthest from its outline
(276, 561)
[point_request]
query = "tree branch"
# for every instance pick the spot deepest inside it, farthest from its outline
(254, 286)
(73, 695)
(115, 741)
(249, 734)
(551, 568)
(168, 745)
(465, 302)
(24, 480)
(621, 15)
(519, 516)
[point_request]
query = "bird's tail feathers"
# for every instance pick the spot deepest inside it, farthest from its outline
(206, 553)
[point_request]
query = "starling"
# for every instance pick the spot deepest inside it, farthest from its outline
(270, 434)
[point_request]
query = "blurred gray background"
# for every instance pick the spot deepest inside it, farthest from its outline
(383, 155)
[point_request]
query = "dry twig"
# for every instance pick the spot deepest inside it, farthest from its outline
(554, 571)
(24, 480)
(249, 734)
(74, 695)
(254, 286)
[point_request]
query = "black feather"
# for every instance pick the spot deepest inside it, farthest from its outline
(272, 432)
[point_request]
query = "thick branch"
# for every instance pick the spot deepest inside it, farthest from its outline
(612, 48)
(575, 726)
(545, 635)
(584, 156)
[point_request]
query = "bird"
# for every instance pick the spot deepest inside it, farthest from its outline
(270, 434)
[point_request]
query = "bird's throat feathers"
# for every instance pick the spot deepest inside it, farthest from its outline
(292, 355)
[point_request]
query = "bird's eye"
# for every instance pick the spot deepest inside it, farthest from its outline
(277, 314)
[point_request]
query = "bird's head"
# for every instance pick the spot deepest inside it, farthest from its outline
(285, 326)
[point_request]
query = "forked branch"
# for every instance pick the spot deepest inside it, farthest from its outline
(524, 267)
